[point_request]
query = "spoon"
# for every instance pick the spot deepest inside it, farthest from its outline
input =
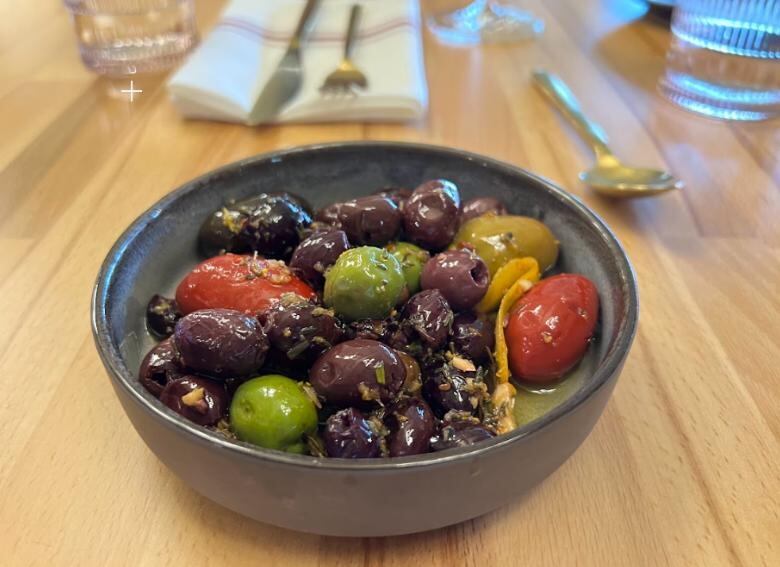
(609, 176)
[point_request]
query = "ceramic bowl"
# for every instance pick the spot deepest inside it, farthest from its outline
(373, 497)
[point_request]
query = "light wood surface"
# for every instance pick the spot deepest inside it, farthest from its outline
(683, 467)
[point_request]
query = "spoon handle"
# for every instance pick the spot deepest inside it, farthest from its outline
(562, 97)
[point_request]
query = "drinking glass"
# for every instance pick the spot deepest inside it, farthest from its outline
(485, 21)
(125, 37)
(724, 61)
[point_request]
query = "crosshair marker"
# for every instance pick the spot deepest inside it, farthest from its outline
(132, 90)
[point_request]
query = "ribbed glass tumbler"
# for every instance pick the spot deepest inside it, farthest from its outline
(724, 61)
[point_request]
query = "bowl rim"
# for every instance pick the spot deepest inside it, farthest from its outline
(121, 376)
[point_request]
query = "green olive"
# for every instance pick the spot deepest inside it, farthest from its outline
(498, 239)
(412, 259)
(364, 283)
(274, 412)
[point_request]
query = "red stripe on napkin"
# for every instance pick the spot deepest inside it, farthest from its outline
(276, 36)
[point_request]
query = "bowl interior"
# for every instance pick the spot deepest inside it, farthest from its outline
(161, 245)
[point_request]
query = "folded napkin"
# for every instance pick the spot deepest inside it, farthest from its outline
(224, 77)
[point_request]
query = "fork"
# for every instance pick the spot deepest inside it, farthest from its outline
(347, 75)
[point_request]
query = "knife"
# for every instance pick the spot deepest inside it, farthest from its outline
(285, 82)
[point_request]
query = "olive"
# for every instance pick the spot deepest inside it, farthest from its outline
(460, 275)
(220, 343)
(274, 412)
(161, 315)
(449, 388)
(460, 434)
(472, 335)
(273, 227)
(427, 316)
(160, 366)
(397, 195)
(249, 204)
(316, 227)
(499, 239)
(372, 329)
(481, 206)
(200, 400)
(349, 435)
(218, 232)
(387, 331)
(411, 424)
(412, 259)
(431, 215)
(330, 215)
(364, 283)
(302, 202)
(357, 372)
(316, 254)
(301, 330)
(372, 220)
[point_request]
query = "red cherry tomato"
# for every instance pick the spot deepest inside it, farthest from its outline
(548, 329)
(238, 282)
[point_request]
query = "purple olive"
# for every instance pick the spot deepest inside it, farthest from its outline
(370, 221)
(349, 435)
(221, 343)
(411, 424)
(161, 315)
(388, 331)
(460, 434)
(449, 388)
(274, 226)
(357, 373)
(460, 275)
(160, 366)
(318, 253)
(481, 206)
(372, 329)
(397, 195)
(472, 335)
(301, 330)
(316, 227)
(427, 316)
(200, 400)
(431, 214)
(330, 215)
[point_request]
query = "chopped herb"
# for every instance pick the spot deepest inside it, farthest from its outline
(298, 349)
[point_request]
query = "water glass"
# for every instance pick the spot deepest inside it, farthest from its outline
(724, 61)
(124, 37)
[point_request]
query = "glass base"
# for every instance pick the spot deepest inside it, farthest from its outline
(719, 102)
(485, 22)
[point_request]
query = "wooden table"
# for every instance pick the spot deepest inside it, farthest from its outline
(683, 467)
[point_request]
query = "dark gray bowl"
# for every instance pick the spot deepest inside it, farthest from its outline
(371, 497)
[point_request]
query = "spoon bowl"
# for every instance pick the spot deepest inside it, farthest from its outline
(609, 177)
(620, 180)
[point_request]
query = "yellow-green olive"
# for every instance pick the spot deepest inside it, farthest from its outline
(498, 239)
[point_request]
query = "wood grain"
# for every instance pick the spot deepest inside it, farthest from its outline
(681, 470)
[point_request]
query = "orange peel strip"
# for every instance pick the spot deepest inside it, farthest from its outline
(515, 292)
(503, 279)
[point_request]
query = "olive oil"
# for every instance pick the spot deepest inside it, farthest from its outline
(533, 402)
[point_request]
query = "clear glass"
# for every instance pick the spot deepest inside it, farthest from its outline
(724, 60)
(485, 21)
(125, 37)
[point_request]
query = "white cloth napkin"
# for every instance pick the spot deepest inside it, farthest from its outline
(225, 75)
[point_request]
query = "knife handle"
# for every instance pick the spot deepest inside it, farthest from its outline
(303, 24)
